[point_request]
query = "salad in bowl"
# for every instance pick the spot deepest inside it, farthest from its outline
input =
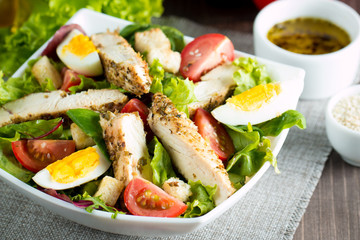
(125, 123)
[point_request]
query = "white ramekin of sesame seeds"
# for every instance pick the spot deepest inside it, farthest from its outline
(343, 124)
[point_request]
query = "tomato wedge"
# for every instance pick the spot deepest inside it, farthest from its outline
(35, 155)
(144, 198)
(135, 105)
(70, 78)
(204, 53)
(214, 133)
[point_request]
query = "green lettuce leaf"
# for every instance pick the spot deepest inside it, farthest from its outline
(89, 83)
(179, 91)
(286, 120)
(175, 37)
(47, 16)
(201, 200)
(9, 163)
(252, 151)
(88, 121)
(249, 74)
(160, 163)
(97, 203)
(32, 129)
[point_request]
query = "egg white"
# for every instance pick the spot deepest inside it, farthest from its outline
(89, 65)
(44, 179)
(286, 100)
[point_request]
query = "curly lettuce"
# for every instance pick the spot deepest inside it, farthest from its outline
(249, 74)
(180, 91)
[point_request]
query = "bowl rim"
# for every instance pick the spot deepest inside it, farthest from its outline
(306, 57)
(347, 92)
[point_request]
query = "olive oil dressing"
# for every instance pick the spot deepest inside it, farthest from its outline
(306, 35)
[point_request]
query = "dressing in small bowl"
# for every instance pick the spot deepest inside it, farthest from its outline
(326, 73)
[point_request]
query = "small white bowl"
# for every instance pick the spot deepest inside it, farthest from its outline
(328, 73)
(344, 140)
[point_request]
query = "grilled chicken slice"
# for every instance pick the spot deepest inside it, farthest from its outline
(122, 65)
(56, 103)
(157, 46)
(125, 141)
(190, 153)
(214, 87)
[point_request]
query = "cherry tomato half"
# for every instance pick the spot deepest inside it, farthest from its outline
(35, 155)
(214, 133)
(144, 198)
(204, 53)
(70, 78)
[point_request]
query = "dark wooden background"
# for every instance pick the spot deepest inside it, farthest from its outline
(334, 209)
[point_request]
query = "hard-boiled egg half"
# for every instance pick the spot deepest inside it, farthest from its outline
(259, 104)
(76, 169)
(79, 53)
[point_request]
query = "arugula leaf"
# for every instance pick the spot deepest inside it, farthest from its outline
(31, 129)
(201, 200)
(9, 163)
(94, 203)
(88, 121)
(175, 37)
(288, 119)
(249, 74)
(160, 163)
(179, 91)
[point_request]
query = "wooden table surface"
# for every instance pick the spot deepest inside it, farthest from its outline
(334, 209)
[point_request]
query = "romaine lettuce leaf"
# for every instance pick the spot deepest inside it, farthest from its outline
(175, 37)
(249, 74)
(160, 163)
(201, 200)
(286, 120)
(179, 91)
(88, 121)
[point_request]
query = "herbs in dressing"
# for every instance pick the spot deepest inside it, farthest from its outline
(306, 35)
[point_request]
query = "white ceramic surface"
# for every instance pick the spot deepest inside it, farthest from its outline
(93, 22)
(344, 140)
(326, 73)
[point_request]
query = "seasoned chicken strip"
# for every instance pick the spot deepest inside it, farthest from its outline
(214, 87)
(125, 140)
(190, 153)
(56, 103)
(155, 45)
(122, 65)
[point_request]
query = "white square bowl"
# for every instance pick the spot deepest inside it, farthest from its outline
(94, 22)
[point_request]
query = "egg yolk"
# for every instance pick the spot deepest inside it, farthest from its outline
(74, 166)
(254, 98)
(80, 45)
